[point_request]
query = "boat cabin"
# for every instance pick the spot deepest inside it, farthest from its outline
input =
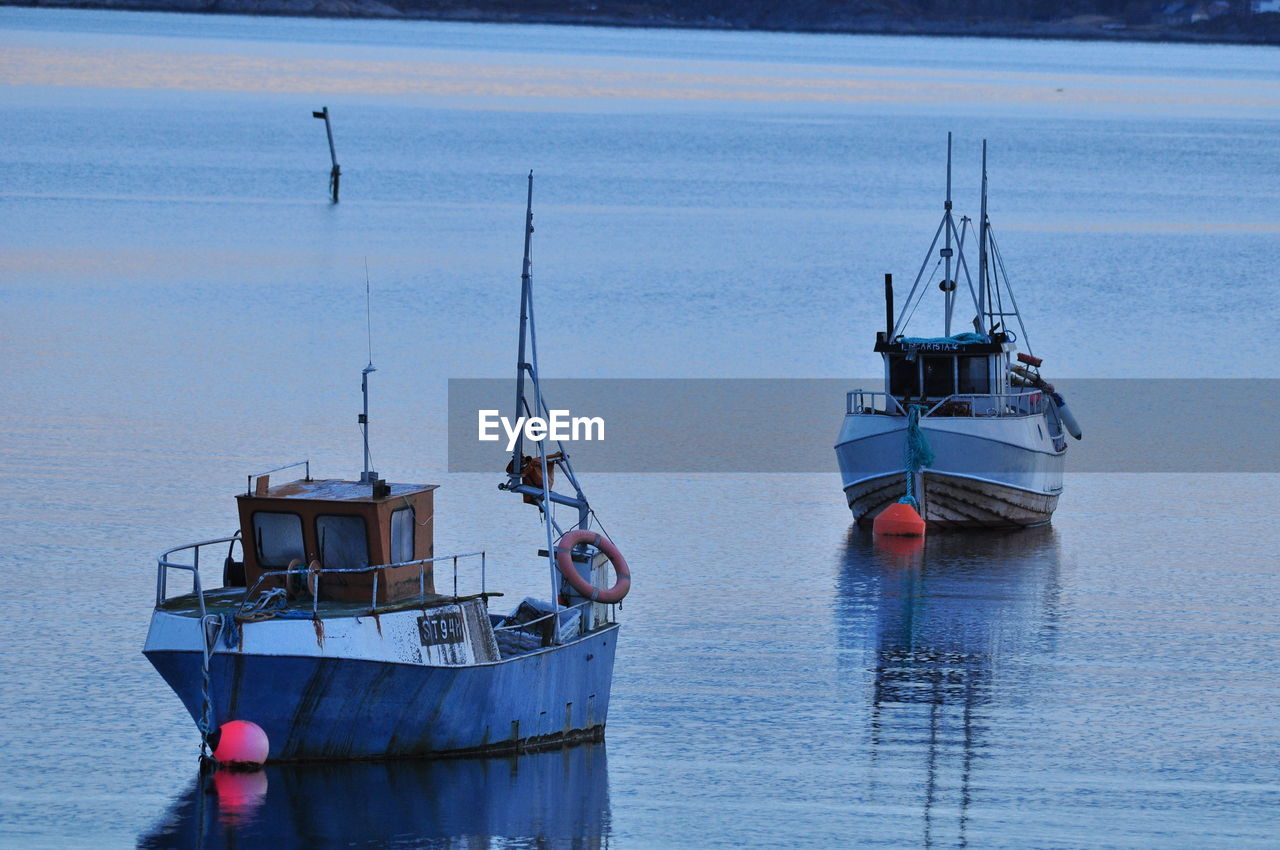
(931, 370)
(339, 529)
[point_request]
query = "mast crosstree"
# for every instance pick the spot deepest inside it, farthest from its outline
(991, 289)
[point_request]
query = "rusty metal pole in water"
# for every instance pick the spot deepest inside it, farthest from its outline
(335, 174)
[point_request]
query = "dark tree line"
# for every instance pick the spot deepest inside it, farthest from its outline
(790, 14)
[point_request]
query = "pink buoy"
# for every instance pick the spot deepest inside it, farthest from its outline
(241, 742)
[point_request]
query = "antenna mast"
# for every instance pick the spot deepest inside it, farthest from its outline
(368, 476)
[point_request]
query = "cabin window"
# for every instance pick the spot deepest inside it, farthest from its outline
(904, 377)
(344, 542)
(278, 538)
(402, 526)
(939, 377)
(974, 378)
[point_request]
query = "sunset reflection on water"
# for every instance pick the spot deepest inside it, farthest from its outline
(462, 74)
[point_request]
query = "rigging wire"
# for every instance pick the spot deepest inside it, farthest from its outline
(920, 297)
(1013, 301)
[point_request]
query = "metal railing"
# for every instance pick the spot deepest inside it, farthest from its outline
(164, 565)
(166, 562)
(868, 402)
(592, 615)
(989, 404)
(375, 569)
(248, 486)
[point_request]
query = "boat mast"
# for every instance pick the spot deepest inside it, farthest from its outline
(526, 293)
(948, 284)
(542, 495)
(984, 296)
(529, 332)
(948, 254)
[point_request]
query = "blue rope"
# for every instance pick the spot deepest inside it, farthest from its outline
(919, 453)
(230, 631)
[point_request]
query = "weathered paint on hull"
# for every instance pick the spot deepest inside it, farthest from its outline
(341, 708)
(949, 501)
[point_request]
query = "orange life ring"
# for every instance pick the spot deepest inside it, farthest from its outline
(564, 562)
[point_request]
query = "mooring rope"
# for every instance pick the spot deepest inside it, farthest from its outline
(210, 629)
(919, 453)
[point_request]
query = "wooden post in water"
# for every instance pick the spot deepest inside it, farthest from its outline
(335, 174)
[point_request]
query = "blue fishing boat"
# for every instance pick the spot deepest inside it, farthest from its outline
(342, 634)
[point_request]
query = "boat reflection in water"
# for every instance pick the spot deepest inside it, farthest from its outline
(949, 637)
(540, 798)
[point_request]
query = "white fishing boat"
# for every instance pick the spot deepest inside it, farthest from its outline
(965, 430)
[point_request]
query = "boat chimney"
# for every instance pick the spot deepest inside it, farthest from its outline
(888, 308)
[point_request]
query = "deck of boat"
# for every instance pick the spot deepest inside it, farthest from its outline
(226, 600)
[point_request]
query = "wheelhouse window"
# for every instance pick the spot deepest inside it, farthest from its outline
(904, 377)
(974, 377)
(402, 525)
(278, 538)
(939, 376)
(344, 542)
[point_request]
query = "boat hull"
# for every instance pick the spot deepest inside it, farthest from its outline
(321, 705)
(999, 473)
(949, 501)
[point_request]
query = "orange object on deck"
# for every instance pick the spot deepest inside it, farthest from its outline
(899, 519)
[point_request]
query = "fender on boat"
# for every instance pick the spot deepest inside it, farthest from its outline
(1065, 414)
(564, 562)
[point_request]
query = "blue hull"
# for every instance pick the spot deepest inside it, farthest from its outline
(336, 708)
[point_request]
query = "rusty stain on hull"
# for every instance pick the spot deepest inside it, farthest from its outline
(332, 708)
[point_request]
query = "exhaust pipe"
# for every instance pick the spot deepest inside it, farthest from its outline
(888, 308)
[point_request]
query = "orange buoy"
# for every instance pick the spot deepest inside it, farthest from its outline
(899, 519)
(241, 743)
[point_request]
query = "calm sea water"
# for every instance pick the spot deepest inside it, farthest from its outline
(180, 306)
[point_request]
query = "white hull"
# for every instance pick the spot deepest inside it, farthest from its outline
(987, 473)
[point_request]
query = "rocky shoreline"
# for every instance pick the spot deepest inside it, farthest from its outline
(834, 17)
